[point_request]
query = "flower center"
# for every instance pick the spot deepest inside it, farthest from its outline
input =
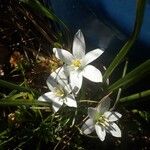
(59, 92)
(102, 120)
(76, 63)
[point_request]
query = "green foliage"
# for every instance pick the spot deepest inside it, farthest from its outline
(132, 77)
(13, 86)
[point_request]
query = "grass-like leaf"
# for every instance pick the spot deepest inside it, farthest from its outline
(130, 42)
(132, 77)
(13, 86)
(22, 102)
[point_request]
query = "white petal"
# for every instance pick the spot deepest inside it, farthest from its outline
(92, 112)
(112, 116)
(104, 105)
(70, 101)
(57, 78)
(51, 83)
(50, 97)
(101, 132)
(79, 45)
(76, 79)
(60, 75)
(88, 127)
(115, 130)
(68, 88)
(63, 55)
(47, 97)
(92, 73)
(91, 56)
(57, 103)
(56, 107)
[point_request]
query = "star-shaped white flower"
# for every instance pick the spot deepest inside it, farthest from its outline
(61, 91)
(101, 120)
(78, 62)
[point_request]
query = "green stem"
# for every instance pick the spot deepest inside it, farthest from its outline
(135, 96)
(120, 90)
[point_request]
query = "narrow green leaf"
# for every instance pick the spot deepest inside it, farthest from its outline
(131, 77)
(130, 42)
(22, 102)
(10, 85)
(13, 86)
(135, 96)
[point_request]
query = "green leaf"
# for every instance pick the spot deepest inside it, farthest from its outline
(13, 86)
(22, 102)
(132, 77)
(10, 85)
(130, 42)
(135, 96)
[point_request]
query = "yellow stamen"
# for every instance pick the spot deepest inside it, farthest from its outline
(102, 120)
(59, 92)
(76, 63)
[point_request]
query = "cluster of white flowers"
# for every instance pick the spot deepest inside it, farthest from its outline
(66, 82)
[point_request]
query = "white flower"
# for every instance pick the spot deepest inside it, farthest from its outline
(101, 120)
(78, 62)
(61, 91)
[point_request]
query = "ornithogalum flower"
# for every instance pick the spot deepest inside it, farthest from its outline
(102, 120)
(60, 91)
(78, 62)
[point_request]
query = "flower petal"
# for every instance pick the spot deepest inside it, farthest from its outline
(112, 116)
(76, 79)
(51, 83)
(115, 130)
(50, 97)
(104, 105)
(79, 45)
(91, 56)
(56, 106)
(57, 103)
(88, 127)
(92, 73)
(60, 75)
(68, 88)
(47, 97)
(57, 78)
(63, 55)
(92, 112)
(101, 132)
(70, 101)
